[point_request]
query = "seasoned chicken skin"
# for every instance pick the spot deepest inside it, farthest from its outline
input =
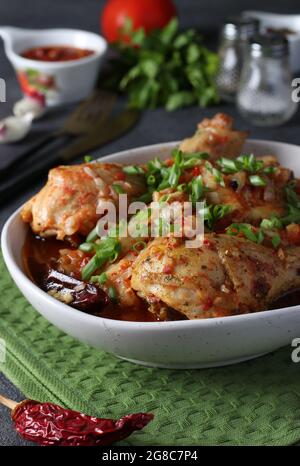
(227, 275)
(68, 202)
(217, 137)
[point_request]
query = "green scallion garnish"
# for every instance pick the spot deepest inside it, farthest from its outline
(112, 293)
(257, 180)
(118, 189)
(133, 170)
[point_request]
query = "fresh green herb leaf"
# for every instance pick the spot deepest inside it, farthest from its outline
(88, 158)
(168, 68)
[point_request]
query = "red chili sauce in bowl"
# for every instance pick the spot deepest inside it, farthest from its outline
(56, 53)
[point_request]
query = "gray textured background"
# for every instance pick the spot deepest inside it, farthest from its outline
(155, 126)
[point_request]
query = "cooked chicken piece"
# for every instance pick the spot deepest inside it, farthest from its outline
(68, 203)
(227, 275)
(72, 261)
(217, 137)
(119, 276)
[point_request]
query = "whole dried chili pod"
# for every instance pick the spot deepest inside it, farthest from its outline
(50, 424)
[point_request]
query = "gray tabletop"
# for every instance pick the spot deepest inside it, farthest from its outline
(154, 126)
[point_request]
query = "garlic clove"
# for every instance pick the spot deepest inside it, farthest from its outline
(13, 129)
(29, 105)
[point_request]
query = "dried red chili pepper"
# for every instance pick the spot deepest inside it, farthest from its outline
(50, 424)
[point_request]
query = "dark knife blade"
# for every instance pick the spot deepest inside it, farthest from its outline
(111, 129)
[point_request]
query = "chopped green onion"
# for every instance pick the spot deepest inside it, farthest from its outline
(133, 170)
(112, 293)
(151, 180)
(87, 247)
(228, 165)
(164, 198)
(107, 249)
(146, 198)
(245, 228)
(92, 236)
(118, 189)
(271, 223)
(216, 174)
(244, 162)
(197, 189)
(101, 279)
(155, 165)
(139, 246)
(257, 180)
(90, 267)
(212, 213)
(114, 257)
(249, 163)
(88, 158)
(260, 237)
(182, 187)
(174, 175)
(196, 155)
(276, 240)
(270, 169)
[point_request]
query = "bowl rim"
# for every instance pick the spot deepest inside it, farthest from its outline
(57, 65)
(91, 319)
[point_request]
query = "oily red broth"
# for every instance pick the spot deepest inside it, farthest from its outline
(38, 252)
(56, 53)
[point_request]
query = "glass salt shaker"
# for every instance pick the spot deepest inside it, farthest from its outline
(265, 93)
(234, 41)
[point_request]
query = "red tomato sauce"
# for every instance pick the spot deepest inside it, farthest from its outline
(56, 53)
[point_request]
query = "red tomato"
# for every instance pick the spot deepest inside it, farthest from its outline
(149, 14)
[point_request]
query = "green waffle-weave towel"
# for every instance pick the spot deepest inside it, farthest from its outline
(253, 403)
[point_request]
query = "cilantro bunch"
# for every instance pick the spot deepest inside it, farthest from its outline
(165, 68)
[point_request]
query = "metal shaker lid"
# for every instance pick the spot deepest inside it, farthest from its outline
(239, 27)
(269, 45)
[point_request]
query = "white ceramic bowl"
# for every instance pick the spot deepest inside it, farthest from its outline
(181, 344)
(59, 82)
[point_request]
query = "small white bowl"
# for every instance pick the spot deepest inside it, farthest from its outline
(279, 21)
(59, 82)
(179, 344)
